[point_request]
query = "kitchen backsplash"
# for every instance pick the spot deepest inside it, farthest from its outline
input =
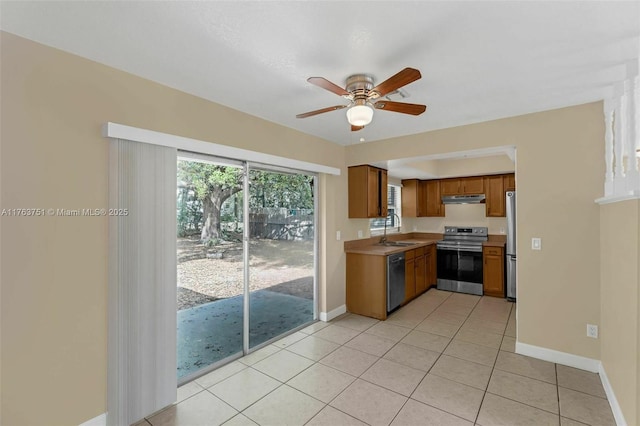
(456, 215)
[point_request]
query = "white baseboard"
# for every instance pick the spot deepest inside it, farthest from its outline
(576, 361)
(611, 396)
(328, 316)
(101, 420)
(558, 357)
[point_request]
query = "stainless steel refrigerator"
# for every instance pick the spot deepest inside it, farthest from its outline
(511, 245)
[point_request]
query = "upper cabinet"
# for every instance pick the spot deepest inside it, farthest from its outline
(421, 198)
(433, 195)
(450, 186)
(472, 185)
(510, 182)
(462, 186)
(495, 196)
(367, 192)
(413, 198)
(495, 189)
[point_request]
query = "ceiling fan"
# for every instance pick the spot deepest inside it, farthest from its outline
(365, 97)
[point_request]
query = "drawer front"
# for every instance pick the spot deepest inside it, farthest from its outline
(409, 254)
(420, 251)
(495, 251)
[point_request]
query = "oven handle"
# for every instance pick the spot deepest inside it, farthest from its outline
(474, 249)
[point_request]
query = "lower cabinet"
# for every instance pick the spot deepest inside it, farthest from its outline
(409, 275)
(416, 273)
(493, 271)
(421, 272)
(367, 285)
(431, 263)
(367, 280)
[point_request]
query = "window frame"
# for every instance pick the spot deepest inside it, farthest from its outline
(396, 207)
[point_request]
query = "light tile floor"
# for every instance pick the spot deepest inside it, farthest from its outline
(444, 359)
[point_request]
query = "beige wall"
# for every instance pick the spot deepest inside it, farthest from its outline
(54, 269)
(465, 166)
(620, 324)
(559, 170)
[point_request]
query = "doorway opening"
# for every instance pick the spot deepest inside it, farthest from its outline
(246, 259)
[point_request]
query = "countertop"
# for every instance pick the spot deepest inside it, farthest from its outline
(493, 244)
(376, 250)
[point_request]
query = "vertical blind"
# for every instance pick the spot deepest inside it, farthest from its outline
(141, 377)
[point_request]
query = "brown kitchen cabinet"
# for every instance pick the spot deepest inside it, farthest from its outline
(414, 200)
(472, 185)
(421, 198)
(367, 285)
(510, 182)
(495, 196)
(434, 206)
(367, 280)
(415, 274)
(409, 276)
(420, 272)
(493, 271)
(431, 264)
(450, 186)
(367, 192)
(462, 186)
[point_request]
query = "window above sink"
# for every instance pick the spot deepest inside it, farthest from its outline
(393, 220)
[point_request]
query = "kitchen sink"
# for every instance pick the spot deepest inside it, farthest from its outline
(395, 244)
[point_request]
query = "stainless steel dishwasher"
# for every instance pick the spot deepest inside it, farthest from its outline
(395, 281)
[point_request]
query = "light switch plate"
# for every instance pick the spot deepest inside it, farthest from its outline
(338, 235)
(536, 244)
(359, 234)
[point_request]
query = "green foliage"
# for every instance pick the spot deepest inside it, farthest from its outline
(269, 189)
(212, 242)
(198, 181)
(189, 214)
(205, 177)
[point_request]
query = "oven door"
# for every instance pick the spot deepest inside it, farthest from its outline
(460, 265)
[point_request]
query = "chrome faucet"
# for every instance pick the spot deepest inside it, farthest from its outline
(383, 239)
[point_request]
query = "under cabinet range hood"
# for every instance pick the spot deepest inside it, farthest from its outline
(463, 199)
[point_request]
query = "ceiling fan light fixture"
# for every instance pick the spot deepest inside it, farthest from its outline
(360, 114)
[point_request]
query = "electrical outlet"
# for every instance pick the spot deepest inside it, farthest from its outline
(592, 331)
(338, 235)
(536, 244)
(359, 234)
(415, 228)
(503, 231)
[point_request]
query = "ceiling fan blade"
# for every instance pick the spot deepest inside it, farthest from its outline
(320, 111)
(404, 77)
(413, 109)
(356, 128)
(327, 85)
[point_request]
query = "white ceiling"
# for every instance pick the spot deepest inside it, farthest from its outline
(479, 60)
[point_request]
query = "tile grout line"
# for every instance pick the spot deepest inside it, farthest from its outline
(490, 374)
(434, 362)
(467, 317)
(318, 362)
(520, 375)
(555, 368)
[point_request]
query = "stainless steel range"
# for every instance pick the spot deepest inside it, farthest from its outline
(460, 259)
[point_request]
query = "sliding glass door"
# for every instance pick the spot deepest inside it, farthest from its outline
(246, 259)
(281, 253)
